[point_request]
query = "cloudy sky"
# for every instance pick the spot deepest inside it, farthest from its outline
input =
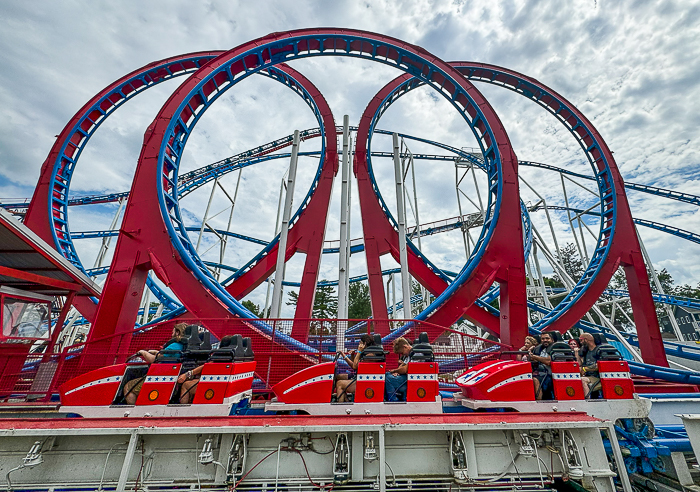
(632, 67)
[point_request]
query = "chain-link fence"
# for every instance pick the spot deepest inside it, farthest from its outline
(281, 347)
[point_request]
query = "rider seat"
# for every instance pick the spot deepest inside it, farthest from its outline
(370, 381)
(561, 351)
(374, 353)
(615, 379)
(198, 347)
(225, 352)
(371, 370)
(421, 350)
(608, 352)
(227, 373)
(239, 349)
(422, 384)
(566, 374)
(247, 350)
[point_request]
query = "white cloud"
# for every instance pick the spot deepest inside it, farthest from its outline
(633, 68)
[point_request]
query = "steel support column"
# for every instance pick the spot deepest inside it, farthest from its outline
(284, 230)
(401, 216)
(343, 250)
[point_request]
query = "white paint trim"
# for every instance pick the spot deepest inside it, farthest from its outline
(370, 377)
(422, 377)
(110, 379)
(317, 379)
(615, 375)
(512, 379)
(566, 375)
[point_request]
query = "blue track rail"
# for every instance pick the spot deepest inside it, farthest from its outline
(652, 190)
(661, 298)
(683, 234)
(658, 191)
(668, 229)
(178, 131)
(638, 368)
(211, 171)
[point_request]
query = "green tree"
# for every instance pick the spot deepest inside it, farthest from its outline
(552, 282)
(686, 290)
(417, 290)
(253, 308)
(569, 259)
(153, 306)
(325, 301)
(359, 305)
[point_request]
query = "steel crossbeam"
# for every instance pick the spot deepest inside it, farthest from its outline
(155, 237)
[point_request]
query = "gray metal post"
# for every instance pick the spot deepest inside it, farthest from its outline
(382, 457)
(540, 276)
(107, 240)
(357, 461)
(655, 278)
(411, 164)
(583, 256)
(224, 240)
(128, 459)
(458, 180)
(401, 217)
(281, 252)
(224, 455)
(478, 193)
(391, 293)
(145, 302)
(343, 249)
(531, 278)
(619, 460)
(206, 213)
(350, 154)
(612, 311)
(277, 231)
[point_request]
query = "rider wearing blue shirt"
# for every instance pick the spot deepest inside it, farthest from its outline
(175, 343)
(133, 387)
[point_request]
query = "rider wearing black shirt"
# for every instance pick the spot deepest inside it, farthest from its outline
(542, 361)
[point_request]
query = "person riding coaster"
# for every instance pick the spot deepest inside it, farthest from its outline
(397, 378)
(542, 362)
(180, 335)
(507, 385)
(224, 376)
(345, 383)
(588, 360)
(318, 384)
(187, 346)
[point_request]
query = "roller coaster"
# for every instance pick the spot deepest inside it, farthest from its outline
(499, 293)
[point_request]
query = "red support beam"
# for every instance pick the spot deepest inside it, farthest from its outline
(381, 238)
(144, 243)
(37, 217)
(39, 279)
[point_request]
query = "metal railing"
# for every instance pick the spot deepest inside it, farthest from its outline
(28, 373)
